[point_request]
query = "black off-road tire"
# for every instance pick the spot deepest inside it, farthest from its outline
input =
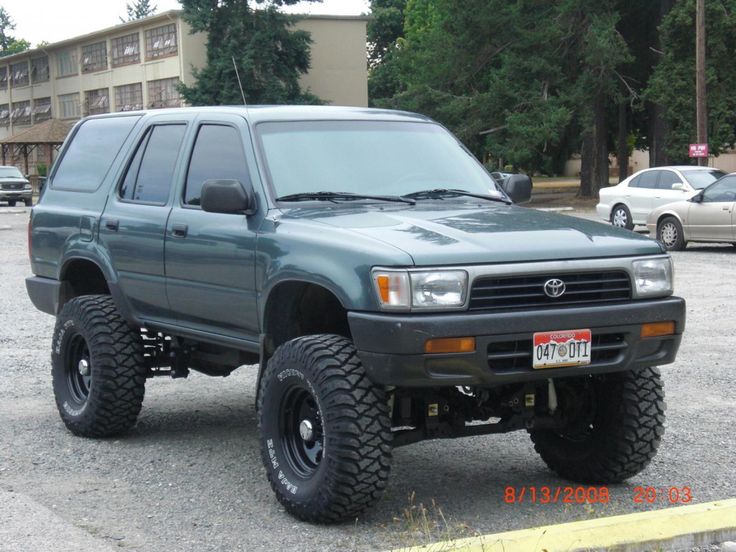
(626, 427)
(621, 217)
(11, 203)
(670, 234)
(28, 202)
(107, 401)
(350, 445)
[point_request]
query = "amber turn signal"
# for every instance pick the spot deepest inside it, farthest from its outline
(450, 345)
(657, 329)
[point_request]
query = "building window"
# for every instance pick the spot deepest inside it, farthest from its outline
(41, 110)
(161, 41)
(40, 69)
(96, 101)
(94, 57)
(69, 106)
(19, 74)
(4, 115)
(164, 93)
(4, 77)
(129, 97)
(20, 114)
(125, 50)
(66, 63)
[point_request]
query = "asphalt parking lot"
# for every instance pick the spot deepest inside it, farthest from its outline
(189, 476)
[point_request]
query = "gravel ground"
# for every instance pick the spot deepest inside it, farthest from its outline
(189, 476)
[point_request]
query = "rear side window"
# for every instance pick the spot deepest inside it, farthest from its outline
(90, 154)
(151, 171)
(646, 180)
(217, 155)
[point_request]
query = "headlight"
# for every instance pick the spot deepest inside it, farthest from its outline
(653, 277)
(432, 289)
(27, 186)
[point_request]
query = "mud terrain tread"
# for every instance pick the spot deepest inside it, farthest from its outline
(119, 371)
(626, 444)
(357, 413)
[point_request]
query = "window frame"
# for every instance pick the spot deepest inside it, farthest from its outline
(149, 38)
(78, 112)
(121, 89)
(34, 70)
(26, 106)
(45, 105)
(125, 59)
(185, 176)
(73, 63)
(26, 80)
(152, 83)
(95, 50)
(145, 137)
(86, 104)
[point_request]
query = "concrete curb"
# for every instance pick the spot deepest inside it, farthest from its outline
(672, 528)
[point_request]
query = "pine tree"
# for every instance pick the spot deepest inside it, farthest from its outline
(138, 10)
(9, 44)
(269, 55)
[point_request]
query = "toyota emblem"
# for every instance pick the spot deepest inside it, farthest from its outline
(554, 288)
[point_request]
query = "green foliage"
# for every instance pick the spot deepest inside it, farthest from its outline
(673, 82)
(269, 55)
(41, 169)
(10, 45)
(138, 10)
(384, 31)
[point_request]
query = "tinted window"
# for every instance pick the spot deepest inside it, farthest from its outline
(151, 172)
(667, 179)
(217, 155)
(91, 153)
(646, 180)
(723, 190)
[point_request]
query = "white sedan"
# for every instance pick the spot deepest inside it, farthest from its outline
(630, 202)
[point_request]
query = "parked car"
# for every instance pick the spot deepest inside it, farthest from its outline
(14, 186)
(389, 290)
(708, 216)
(630, 202)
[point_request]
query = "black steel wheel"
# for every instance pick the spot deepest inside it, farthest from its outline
(97, 368)
(621, 217)
(325, 429)
(11, 203)
(614, 426)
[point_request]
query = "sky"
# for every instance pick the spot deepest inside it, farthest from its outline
(55, 20)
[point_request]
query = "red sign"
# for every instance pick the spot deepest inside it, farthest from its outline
(698, 150)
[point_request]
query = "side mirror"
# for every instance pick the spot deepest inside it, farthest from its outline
(228, 196)
(697, 198)
(678, 186)
(518, 187)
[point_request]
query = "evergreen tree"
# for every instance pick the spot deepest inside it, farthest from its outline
(384, 32)
(269, 55)
(138, 10)
(9, 44)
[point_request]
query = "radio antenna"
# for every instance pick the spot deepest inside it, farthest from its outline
(240, 84)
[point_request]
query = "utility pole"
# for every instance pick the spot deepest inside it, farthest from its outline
(701, 113)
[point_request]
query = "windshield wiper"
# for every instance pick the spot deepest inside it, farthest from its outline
(439, 193)
(346, 196)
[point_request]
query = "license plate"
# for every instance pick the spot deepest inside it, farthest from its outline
(562, 348)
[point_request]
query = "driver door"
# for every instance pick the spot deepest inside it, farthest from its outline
(713, 218)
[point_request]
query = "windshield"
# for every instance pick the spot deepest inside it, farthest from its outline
(368, 157)
(701, 179)
(10, 172)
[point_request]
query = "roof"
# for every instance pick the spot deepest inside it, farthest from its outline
(123, 27)
(262, 113)
(52, 131)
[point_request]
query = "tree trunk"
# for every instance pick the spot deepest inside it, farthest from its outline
(594, 162)
(622, 145)
(586, 165)
(657, 136)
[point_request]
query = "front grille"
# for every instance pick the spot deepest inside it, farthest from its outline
(12, 186)
(524, 292)
(508, 356)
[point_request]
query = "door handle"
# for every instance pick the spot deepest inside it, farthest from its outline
(179, 230)
(726, 208)
(112, 224)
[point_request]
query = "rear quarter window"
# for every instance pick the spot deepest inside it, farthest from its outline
(91, 152)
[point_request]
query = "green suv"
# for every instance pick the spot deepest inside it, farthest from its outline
(389, 290)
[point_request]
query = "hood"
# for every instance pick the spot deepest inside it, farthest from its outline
(456, 233)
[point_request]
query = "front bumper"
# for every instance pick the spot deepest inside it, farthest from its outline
(18, 195)
(391, 347)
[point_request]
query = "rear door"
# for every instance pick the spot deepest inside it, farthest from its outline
(133, 224)
(642, 191)
(713, 218)
(210, 257)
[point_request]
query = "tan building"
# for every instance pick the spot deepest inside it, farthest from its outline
(137, 65)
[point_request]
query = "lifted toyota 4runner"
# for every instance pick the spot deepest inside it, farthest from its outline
(386, 285)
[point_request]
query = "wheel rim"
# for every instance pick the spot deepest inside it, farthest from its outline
(620, 218)
(668, 234)
(78, 369)
(301, 430)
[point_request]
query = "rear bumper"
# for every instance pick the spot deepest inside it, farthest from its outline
(604, 211)
(44, 293)
(391, 347)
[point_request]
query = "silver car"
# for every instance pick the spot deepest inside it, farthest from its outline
(630, 202)
(708, 216)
